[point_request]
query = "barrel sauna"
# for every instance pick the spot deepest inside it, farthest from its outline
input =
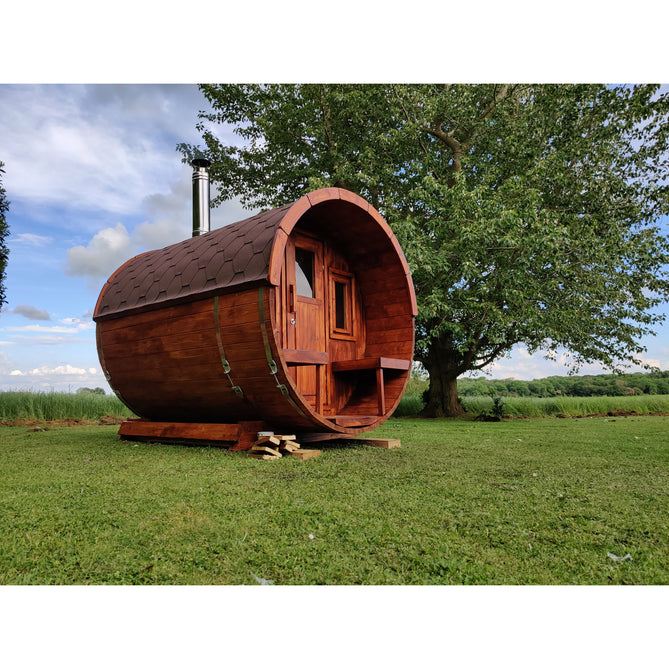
(299, 319)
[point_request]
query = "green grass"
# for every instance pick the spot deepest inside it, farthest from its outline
(59, 406)
(461, 502)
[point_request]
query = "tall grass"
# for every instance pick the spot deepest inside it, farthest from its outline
(539, 407)
(535, 407)
(59, 406)
(89, 406)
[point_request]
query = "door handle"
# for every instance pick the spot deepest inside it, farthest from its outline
(291, 298)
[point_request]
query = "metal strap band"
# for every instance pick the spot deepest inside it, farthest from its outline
(268, 353)
(219, 340)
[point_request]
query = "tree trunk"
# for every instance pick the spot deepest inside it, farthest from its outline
(442, 395)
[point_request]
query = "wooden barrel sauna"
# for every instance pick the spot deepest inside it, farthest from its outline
(299, 319)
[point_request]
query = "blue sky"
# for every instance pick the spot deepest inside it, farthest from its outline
(93, 178)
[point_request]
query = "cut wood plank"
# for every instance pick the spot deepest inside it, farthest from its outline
(306, 454)
(289, 447)
(268, 440)
(265, 449)
(286, 437)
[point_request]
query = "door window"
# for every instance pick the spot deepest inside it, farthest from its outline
(304, 272)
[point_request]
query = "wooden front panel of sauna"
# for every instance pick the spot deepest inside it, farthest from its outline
(321, 312)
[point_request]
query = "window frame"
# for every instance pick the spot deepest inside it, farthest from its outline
(348, 280)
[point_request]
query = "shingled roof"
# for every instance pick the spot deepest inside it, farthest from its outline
(221, 259)
(244, 253)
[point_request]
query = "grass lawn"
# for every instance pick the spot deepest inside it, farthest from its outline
(542, 501)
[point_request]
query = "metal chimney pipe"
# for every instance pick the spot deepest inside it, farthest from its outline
(200, 196)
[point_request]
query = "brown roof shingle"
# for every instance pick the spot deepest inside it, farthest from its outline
(224, 258)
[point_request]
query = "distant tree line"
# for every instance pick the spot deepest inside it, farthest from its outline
(610, 385)
(4, 233)
(91, 391)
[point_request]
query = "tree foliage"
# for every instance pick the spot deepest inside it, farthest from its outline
(528, 213)
(4, 231)
(600, 385)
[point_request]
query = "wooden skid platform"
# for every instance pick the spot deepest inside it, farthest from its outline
(242, 436)
(237, 436)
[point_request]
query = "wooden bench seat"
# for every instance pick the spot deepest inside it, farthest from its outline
(378, 364)
(370, 363)
(320, 359)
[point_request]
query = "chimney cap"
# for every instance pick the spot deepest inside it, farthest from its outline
(201, 162)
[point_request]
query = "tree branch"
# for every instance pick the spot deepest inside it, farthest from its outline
(470, 135)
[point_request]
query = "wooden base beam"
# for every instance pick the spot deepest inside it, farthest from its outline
(237, 436)
(241, 435)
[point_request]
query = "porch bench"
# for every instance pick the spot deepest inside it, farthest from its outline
(378, 364)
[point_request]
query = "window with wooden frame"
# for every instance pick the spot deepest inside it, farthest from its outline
(341, 304)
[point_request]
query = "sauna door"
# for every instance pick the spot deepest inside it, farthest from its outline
(305, 326)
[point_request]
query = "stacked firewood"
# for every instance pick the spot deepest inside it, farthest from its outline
(275, 446)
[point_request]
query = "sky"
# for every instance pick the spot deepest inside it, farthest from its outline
(93, 178)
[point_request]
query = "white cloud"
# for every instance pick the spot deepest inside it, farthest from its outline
(33, 313)
(108, 249)
(59, 152)
(61, 376)
(169, 221)
(94, 148)
(63, 329)
(60, 370)
(525, 366)
(30, 239)
(47, 340)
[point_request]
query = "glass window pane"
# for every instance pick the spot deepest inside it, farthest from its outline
(304, 272)
(340, 306)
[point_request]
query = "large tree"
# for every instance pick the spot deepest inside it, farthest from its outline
(528, 213)
(4, 231)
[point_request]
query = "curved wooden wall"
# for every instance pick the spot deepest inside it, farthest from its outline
(219, 356)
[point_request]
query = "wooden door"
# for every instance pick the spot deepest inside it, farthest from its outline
(305, 314)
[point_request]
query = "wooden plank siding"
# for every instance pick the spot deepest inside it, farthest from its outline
(232, 353)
